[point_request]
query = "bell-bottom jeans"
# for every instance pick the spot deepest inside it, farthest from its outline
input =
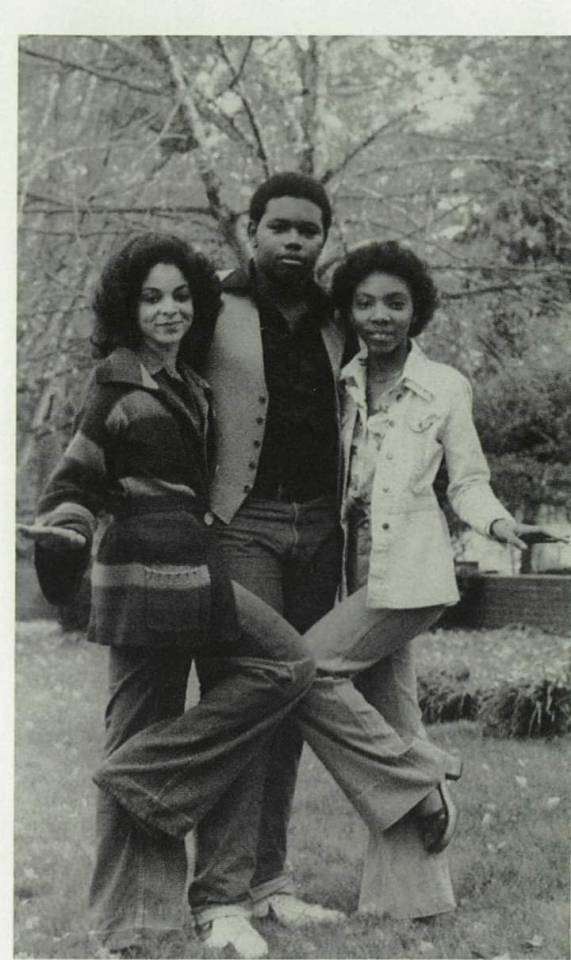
(140, 874)
(161, 778)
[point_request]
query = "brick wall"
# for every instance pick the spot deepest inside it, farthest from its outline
(490, 600)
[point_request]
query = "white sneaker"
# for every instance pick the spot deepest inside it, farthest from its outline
(293, 912)
(237, 932)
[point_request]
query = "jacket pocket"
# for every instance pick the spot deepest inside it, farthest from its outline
(177, 598)
(420, 422)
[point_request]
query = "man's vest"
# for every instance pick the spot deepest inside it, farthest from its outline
(235, 372)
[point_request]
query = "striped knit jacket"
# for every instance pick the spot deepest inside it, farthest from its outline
(140, 454)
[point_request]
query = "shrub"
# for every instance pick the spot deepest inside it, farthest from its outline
(444, 696)
(515, 708)
(529, 709)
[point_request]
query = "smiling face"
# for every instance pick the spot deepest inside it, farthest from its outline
(164, 310)
(288, 239)
(382, 311)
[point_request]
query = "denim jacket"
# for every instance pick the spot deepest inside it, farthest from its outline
(429, 417)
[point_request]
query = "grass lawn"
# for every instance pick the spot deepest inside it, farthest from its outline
(509, 859)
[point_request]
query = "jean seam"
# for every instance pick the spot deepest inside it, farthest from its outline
(137, 803)
(352, 650)
(279, 668)
(365, 637)
(280, 884)
(140, 909)
(365, 726)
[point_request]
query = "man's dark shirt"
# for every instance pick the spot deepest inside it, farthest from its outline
(300, 451)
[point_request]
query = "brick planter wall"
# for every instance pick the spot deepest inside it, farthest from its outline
(493, 600)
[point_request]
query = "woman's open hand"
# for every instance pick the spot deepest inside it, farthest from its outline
(54, 538)
(522, 535)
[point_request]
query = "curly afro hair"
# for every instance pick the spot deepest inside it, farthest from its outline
(291, 185)
(388, 257)
(117, 294)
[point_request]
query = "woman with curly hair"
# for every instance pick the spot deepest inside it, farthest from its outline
(160, 596)
(402, 414)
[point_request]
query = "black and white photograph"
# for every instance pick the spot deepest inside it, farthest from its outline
(292, 660)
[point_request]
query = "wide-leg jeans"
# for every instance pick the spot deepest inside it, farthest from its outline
(399, 877)
(158, 778)
(289, 554)
(193, 757)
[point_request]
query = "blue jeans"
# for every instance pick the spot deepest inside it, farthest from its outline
(193, 758)
(161, 775)
(289, 554)
(399, 877)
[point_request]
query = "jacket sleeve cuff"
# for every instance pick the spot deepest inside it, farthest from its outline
(490, 530)
(71, 516)
(60, 572)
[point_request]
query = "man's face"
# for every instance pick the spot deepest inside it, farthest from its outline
(288, 239)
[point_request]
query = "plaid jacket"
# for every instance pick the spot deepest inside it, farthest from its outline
(140, 454)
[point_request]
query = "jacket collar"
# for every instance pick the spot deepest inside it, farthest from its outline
(417, 373)
(126, 366)
(243, 282)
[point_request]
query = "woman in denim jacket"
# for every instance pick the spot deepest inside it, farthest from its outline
(401, 415)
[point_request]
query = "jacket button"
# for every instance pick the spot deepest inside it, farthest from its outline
(259, 419)
(257, 443)
(247, 488)
(386, 526)
(208, 518)
(262, 399)
(252, 464)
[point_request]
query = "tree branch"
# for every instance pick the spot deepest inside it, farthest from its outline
(308, 66)
(64, 208)
(363, 144)
(238, 73)
(94, 72)
(261, 150)
(224, 216)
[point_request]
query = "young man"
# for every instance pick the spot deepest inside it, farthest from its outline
(273, 365)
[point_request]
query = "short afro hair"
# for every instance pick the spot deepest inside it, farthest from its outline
(116, 297)
(291, 185)
(387, 257)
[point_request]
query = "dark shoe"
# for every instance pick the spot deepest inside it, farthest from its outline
(438, 828)
(454, 771)
(131, 951)
(128, 953)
